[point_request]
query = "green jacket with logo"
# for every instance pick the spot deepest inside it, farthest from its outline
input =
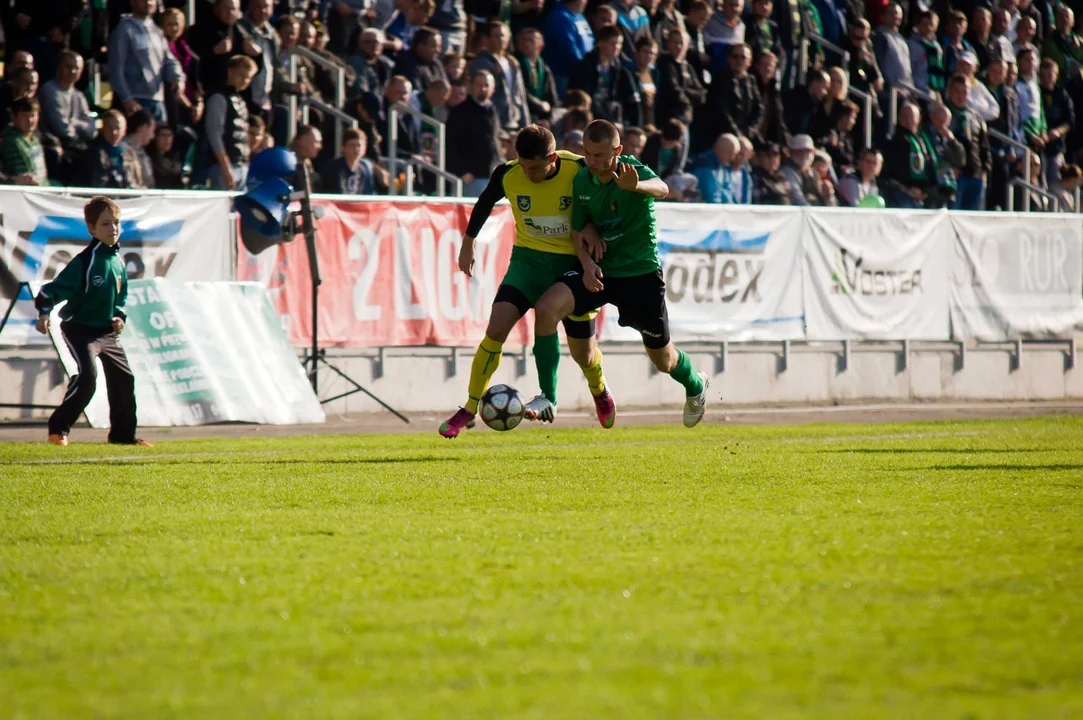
(94, 284)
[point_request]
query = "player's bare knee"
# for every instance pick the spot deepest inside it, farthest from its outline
(582, 351)
(664, 359)
(548, 313)
(501, 321)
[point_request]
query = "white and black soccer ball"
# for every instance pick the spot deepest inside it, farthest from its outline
(502, 408)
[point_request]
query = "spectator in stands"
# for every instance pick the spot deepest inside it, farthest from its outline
(954, 41)
(422, 63)
(50, 31)
(713, 171)
(258, 139)
(892, 51)
(839, 143)
(400, 31)
(804, 186)
(184, 108)
(666, 151)
(344, 19)
(602, 76)
(272, 81)
(696, 19)
(22, 157)
(861, 182)
(981, 101)
(633, 21)
(538, 80)
(65, 110)
(725, 30)
(978, 34)
(969, 128)
(666, 19)
(141, 64)
(1064, 46)
(927, 54)
(761, 32)
(864, 72)
(166, 165)
(109, 162)
(634, 140)
(789, 16)
(307, 145)
(1060, 118)
(821, 171)
(509, 96)
(1007, 123)
(645, 74)
(373, 69)
(999, 42)
(680, 91)
(20, 60)
(568, 39)
(771, 127)
(455, 67)
(950, 156)
(1038, 202)
(733, 102)
(1070, 178)
(741, 179)
(227, 127)
(604, 16)
(399, 89)
(139, 135)
(1025, 35)
(910, 162)
(366, 108)
(573, 142)
(1029, 92)
(450, 20)
(770, 184)
(528, 15)
(804, 106)
(351, 173)
(216, 38)
(473, 151)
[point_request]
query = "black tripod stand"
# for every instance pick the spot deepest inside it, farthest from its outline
(316, 355)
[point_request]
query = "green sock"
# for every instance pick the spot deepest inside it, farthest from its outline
(686, 375)
(547, 358)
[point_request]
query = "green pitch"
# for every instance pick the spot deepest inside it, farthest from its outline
(902, 571)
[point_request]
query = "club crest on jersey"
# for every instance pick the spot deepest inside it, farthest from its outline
(98, 280)
(523, 201)
(565, 202)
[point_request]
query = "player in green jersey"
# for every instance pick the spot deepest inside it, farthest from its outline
(616, 193)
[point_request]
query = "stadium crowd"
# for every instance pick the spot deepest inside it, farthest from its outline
(712, 97)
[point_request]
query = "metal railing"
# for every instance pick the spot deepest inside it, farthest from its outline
(94, 82)
(340, 92)
(393, 141)
(444, 175)
(340, 117)
(866, 103)
(191, 10)
(1027, 159)
(820, 40)
(1029, 188)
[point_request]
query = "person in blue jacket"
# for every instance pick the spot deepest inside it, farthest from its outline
(568, 38)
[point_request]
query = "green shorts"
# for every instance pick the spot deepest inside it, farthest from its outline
(530, 274)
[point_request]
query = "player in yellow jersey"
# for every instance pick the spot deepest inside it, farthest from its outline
(539, 187)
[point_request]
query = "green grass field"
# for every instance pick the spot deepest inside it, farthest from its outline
(893, 571)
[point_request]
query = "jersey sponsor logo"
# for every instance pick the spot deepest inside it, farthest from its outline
(523, 201)
(98, 280)
(546, 225)
(565, 202)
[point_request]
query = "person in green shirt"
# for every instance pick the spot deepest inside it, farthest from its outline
(616, 193)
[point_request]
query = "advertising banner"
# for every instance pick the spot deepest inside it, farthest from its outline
(390, 276)
(1016, 276)
(877, 274)
(204, 353)
(183, 237)
(732, 273)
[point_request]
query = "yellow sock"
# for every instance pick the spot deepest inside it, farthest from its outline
(593, 373)
(486, 361)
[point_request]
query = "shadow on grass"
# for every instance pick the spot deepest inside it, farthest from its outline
(930, 451)
(1002, 467)
(226, 460)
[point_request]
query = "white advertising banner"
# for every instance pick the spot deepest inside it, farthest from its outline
(877, 274)
(1016, 276)
(204, 353)
(732, 273)
(185, 236)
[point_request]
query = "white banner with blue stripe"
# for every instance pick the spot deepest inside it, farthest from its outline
(731, 272)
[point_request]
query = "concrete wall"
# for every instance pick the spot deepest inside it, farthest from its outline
(434, 379)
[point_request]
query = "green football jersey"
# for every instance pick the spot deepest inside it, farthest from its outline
(624, 219)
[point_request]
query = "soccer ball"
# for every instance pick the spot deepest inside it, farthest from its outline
(502, 408)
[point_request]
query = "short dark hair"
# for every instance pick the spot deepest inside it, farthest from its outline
(577, 117)
(646, 42)
(1070, 172)
(254, 121)
(926, 15)
(352, 134)
(958, 79)
(239, 61)
(673, 130)
(577, 99)
(869, 151)
(534, 142)
(606, 33)
(635, 131)
(97, 205)
(421, 36)
(848, 107)
(138, 120)
(602, 131)
(24, 105)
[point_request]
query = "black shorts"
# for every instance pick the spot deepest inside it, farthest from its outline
(579, 328)
(640, 300)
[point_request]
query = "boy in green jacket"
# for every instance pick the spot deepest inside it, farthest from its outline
(95, 286)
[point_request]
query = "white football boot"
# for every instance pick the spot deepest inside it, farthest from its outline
(695, 406)
(541, 409)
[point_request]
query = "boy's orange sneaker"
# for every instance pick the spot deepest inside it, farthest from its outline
(61, 440)
(143, 443)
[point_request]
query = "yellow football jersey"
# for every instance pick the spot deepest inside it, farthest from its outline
(543, 211)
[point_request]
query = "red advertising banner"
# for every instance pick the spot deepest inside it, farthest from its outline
(390, 276)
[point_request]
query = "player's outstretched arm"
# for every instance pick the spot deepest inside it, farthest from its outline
(483, 208)
(628, 179)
